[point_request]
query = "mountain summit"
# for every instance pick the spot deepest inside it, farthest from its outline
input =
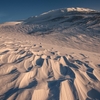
(77, 9)
(60, 13)
(80, 9)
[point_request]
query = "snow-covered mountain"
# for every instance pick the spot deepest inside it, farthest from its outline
(53, 19)
(70, 25)
(58, 13)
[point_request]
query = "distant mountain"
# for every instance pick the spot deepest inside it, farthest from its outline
(80, 23)
(55, 18)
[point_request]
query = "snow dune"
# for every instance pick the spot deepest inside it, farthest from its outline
(31, 71)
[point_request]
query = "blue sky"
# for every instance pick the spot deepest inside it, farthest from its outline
(11, 10)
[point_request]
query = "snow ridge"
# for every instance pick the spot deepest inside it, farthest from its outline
(80, 9)
(77, 9)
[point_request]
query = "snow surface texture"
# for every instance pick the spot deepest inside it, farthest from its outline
(36, 62)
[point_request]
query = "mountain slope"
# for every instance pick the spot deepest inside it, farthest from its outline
(72, 26)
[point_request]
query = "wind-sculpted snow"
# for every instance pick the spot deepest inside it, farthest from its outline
(33, 72)
(53, 56)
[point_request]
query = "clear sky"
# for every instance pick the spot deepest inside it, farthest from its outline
(21, 9)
